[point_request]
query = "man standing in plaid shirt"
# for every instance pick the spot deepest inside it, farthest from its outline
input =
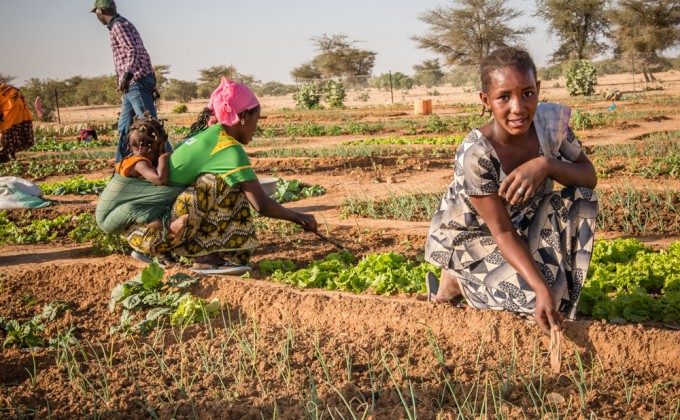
(136, 77)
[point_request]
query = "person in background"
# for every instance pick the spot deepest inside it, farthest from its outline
(88, 134)
(133, 67)
(503, 236)
(16, 123)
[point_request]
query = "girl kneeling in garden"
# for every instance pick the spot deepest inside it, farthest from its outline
(505, 239)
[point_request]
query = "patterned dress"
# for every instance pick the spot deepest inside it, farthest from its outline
(16, 123)
(219, 220)
(558, 226)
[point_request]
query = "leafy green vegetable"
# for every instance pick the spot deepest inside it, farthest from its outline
(193, 310)
(267, 267)
(294, 190)
(148, 290)
(382, 273)
(25, 334)
(627, 280)
(78, 185)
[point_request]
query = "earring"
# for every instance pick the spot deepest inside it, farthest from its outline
(243, 121)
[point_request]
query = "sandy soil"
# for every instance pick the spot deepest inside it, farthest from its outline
(282, 352)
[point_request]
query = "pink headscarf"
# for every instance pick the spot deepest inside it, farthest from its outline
(229, 99)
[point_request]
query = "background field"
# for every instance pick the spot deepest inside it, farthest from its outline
(279, 351)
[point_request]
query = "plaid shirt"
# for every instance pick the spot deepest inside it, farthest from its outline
(129, 54)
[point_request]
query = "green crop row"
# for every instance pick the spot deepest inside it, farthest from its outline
(81, 229)
(384, 273)
(53, 145)
(394, 140)
(78, 185)
(352, 151)
(41, 168)
(622, 209)
(627, 280)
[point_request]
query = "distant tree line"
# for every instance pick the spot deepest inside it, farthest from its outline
(461, 33)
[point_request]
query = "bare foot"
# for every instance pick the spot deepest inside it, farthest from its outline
(449, 290)
(178, 225)
(205, 262)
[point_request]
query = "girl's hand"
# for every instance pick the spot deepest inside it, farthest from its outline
(521, 184)
(546, 312)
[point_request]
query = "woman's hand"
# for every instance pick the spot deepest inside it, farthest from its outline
(307, 221)
(521, 184)
(546, 312)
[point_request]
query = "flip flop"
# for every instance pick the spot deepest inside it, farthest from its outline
(432, 285)
(226, 268)
(163, 260)
(141, 257)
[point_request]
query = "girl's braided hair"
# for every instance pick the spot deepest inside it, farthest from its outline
(146, 131)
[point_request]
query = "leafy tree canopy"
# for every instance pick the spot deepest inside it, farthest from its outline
(579, 25)
(337, 57)
(469, 30)
(649, 26)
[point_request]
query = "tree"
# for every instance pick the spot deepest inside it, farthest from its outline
(6, 78)
(337, 57)
(161, 71)
(399, 81)
(645, 28)
(210, 78)
(305, 72)
(181, 90)
(275, 89)
(429, 73)
(468, 33)
(578, 24)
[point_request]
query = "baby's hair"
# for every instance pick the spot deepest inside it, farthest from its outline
(146, 131)
(505, 57)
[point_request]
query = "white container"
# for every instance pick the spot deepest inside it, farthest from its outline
(269, 185)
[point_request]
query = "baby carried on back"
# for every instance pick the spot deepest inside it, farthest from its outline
(138, 193)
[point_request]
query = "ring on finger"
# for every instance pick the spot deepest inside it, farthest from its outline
(520, 190)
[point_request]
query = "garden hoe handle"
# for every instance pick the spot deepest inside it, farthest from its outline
(329, 240)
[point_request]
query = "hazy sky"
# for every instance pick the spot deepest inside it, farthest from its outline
(59, 39)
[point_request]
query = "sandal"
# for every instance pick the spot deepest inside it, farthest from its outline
(432, 285)
(226, 268)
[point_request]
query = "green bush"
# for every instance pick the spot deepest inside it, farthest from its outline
(180, 109)
(551, 72)
(308, 97)
(335, 94)
(581, 78)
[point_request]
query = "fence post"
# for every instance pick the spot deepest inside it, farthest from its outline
(56, 98)
(391, 91)
(632, 69)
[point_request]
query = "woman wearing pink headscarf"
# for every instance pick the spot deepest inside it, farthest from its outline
(220, 227)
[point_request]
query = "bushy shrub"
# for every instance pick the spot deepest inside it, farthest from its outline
(335, 93)
(308, 96)
(467, 76)
(399, 81)
(180, 109)
(581, 78)
(551, 72)
(275, 89)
